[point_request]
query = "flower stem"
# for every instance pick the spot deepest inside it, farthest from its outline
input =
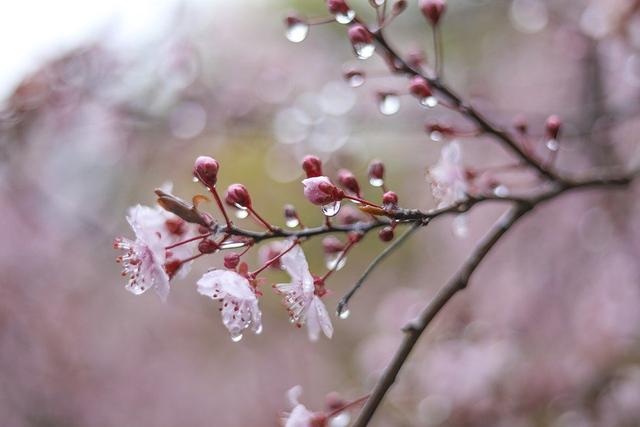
(260, 219)
(202, 236)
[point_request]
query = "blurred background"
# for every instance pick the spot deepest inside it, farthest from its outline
(100, 103)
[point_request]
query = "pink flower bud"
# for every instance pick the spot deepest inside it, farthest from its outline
(348, 180)
(332, 245)
(207, 246)
(386, 234)
(320, 191)
(359, 35)
(399, 7)
(552, 126)
(415, 59)
(376, 170)
(390, 200)
(333, 401)
(238, 196)
(206, 169)
(312, 166)
(420, 88)
(338, 6)
(231, 260)
(521, 124)
(290, 212)
(433, 10)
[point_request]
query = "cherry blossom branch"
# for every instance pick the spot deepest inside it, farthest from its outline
(467, 110)
(414, 329)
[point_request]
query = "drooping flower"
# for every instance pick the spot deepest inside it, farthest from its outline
(300, 296)
(300, 416)
(146, 261)
(239, 302)
(448, 177)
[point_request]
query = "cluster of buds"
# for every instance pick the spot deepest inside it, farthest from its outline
(172, 235)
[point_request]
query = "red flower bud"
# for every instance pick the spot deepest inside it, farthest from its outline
(207, 246)
(433, 10)
(206, 169)
(386, 234)
(332, 245)
(390, 200)
(231, 260)
(420, 88)
(238, 196)
(376, 173)
(359, 35)
(338, 6)
(348, 180)
(521, 124)
(552, 126)
(399, 7)
(320, 191)
(312, 166)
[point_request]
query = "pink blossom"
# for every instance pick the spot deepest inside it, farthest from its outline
(449, 184)
(145, 260)
(303, 304)
(319, 190)
(239, 302)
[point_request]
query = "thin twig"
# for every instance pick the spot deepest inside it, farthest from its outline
(344, 301)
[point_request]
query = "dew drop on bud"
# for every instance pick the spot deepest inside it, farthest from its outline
(233, 245)
(460, 228)
(236, 336)
(436, 136)
(258, 330)
(346, 17)
(344, 314)
(195, 179)
(241, 213)
(334, 261)
(364, 50)
(389, 103)
(297, 31)
(553, 145)
(292, 222)
(331, 209)
(429, 101)
(501, 191)
(376, 182)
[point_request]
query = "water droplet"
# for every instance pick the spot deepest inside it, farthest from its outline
(429, 101)
(297, 31)
(195, 179)
(259, 329)
(332, 263)
(364, 50)
(378, 2)
(553, 145)
(241, 213)
(236, 336)
(376, 182)
(389, 104)
(355, 80)
(460, 228)
(501, 191)
(436, 136)
(344, 314)
(232, 245)
(340, 420)
(347, 17)
(292, 222)
(331, 209)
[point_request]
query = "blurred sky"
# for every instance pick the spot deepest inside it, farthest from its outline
(34, 31)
